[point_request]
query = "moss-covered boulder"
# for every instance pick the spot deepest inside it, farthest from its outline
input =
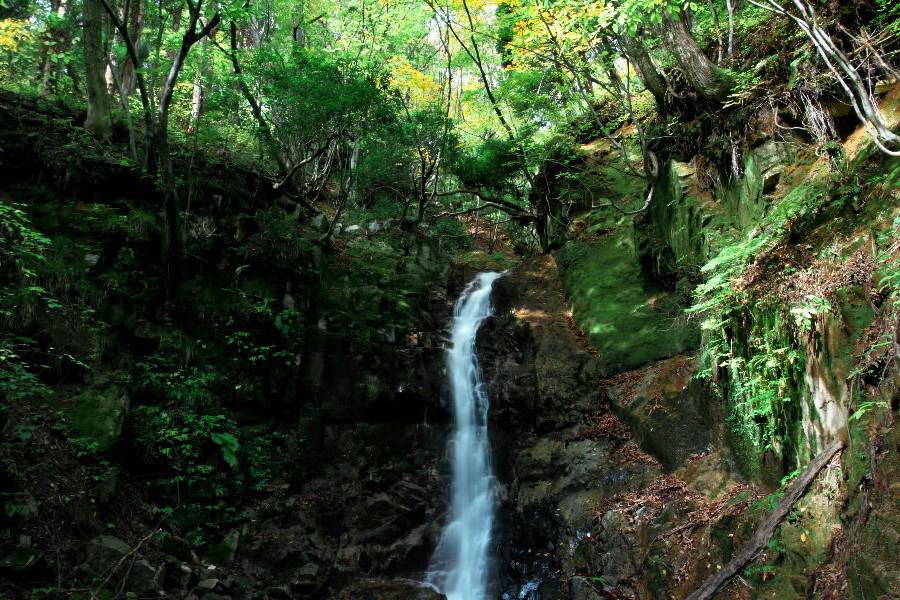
(666, 410)
(98, 413)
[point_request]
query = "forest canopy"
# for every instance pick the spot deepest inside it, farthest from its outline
(443, 106)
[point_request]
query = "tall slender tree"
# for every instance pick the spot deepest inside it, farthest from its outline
(98, 121)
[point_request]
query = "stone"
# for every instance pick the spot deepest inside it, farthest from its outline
(98, 413)
(225, 551)
(207, 585)
(178, 547)
(580, 588)
(667, 411)
(105, 552)
(319, 223)
(389, 589)
(308, 571)
(278, 593)
(21, 561)
(627, 326)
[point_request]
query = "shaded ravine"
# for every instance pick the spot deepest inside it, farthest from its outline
(459, 567)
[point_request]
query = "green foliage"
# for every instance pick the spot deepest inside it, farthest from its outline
(166, 377)
(489, 165)
(806, 314)
(756, 350)
(193, 454)
(889, 15)
(865, 407)
(453, 235)
(320, 94)
(22, 251)
(264, 456)
(18, 382)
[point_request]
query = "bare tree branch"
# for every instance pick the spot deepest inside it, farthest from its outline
(767, 526)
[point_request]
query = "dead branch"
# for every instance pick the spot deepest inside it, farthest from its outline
(767, 526)
(94, 593)
(515, 214)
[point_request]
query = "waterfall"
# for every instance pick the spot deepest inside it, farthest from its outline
(459, 567)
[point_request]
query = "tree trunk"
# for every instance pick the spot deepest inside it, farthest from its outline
(711, 81)
(720, 53)
(122, 27)
(196, 101)
(135, 25)
(650, 76)
(173, 236)
(98, 121)
(173, 240)
(268, 138)
(731, 6)
(52, 41)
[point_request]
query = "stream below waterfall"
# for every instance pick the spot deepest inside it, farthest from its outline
(459, 567)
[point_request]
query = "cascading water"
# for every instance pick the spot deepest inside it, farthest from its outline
(459, 567)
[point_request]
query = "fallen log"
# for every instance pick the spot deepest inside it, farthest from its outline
(767, 526)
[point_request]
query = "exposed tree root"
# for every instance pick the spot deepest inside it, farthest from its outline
(767, 526)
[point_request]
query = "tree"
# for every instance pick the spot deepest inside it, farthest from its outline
(158, 132)
(839, 64)
(98, 121)
(711, 81)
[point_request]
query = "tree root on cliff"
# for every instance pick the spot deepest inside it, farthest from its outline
(767, 526)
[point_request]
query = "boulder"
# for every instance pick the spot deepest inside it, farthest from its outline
(225, 550)
(22, 562)
(580, 588)
(106, 552)
(389, 589)
(98, 413)
(667, 411)
(207, 585)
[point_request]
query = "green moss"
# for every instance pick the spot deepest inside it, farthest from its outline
(98, 414)
(628, 323)
(481, 261)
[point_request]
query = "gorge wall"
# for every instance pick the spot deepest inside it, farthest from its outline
(659, 378)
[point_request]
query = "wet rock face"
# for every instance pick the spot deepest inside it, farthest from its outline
(366, 509)
(544, 391)
(373, 512)
(98, 413)
(394, 589)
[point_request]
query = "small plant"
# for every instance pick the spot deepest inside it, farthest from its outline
(865, 407)
(806, 314)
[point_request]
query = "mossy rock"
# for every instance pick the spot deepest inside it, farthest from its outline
(481, 261)
(629, 323)
(98, 414)
(666, 410)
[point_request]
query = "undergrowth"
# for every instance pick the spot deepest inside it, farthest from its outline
(754, 332)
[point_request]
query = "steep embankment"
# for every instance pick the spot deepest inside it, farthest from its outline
(791, 265)
(271, 432)
(575, 478)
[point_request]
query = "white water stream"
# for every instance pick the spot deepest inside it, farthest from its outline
(459, 567)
